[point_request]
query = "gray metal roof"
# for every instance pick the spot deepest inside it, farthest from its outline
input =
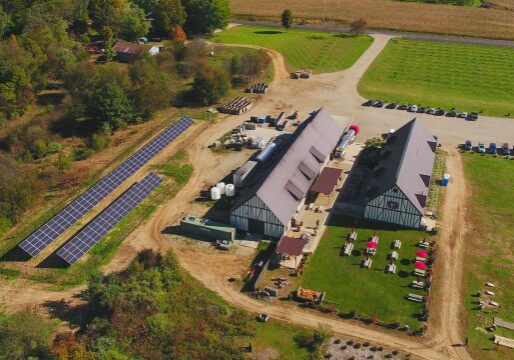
(287, 182)
(407, 160)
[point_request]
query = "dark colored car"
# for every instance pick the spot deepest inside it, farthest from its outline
(392, 105)
(473, 116)
(369, 102)
(440, 112)
(468, 145)
(379, 104)
(505, 149)
(402, 107)
(452, 113)
(431, 111)
(422, 109)
(492, 149)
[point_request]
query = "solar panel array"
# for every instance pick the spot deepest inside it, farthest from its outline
(56, 226)
(105, 222)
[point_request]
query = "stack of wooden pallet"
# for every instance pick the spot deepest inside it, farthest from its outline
(236, 107)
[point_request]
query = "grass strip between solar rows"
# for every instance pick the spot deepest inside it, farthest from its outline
(107, 220)
(47, 233)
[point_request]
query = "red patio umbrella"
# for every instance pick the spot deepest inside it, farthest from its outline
(371, 244)
(421, 253)
(420, 265)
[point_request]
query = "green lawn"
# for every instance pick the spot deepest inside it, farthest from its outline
(319, 51)
(369, 292)
(489, 249)
(443, 74)
(279, 337)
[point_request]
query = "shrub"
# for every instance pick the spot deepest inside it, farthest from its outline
(357, 346)
(395, 352)
(53, 148)
(349, 342)
(337, 341)
(99, 141)
(366, 344)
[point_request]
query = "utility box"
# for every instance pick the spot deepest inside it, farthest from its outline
(207, 228)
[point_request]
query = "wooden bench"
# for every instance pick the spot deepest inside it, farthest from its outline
(415, 297)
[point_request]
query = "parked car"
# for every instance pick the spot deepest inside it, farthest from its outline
(505, 149)
(431, 111)
(379, 104)
(468, 145)
(392, 105)
(473, 116)
(463, 115)
(413, 108)
(369, 102)
(422, 109)
(452, 113)
(440, 112)
(481, 148)
(492, 149)
(402, 107)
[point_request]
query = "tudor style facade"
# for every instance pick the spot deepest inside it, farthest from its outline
(398, 190)
(278, 193)
(393, 206)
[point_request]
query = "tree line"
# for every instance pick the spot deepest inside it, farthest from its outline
(43, 46)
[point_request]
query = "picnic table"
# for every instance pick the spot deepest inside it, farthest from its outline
(374, 238)
(397, 244)
(352, 236)
(419, 272)
(393, 255)
(367, 263)
(391, 268)
(418, 284)
(348, 249)
(422, 259)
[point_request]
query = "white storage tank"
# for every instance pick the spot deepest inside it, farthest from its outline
(230, 190)
(221, 187)
(215, 193)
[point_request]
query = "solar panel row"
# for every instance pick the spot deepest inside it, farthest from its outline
(56, 226)
(93, 232)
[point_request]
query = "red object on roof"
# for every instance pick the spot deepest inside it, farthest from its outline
(420, 265)
(291, 246)
(355, 128)
(326, 181)
(422, 253)
(371, 244)
(127, 48)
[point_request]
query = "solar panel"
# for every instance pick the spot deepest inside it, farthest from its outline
(93, 232)
(52, 229)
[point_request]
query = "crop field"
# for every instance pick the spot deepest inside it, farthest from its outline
(319, 51)
(489, 250)
(442, 74)
(495, 22)
(368, 292)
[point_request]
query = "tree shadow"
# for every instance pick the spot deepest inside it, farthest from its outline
(405, 262)
(75, 315)
(50, 99)
(268, 32)
(314, 37)
(403, 274)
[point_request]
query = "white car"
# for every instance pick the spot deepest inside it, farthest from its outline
(463, 115)
(413, 108)
(481, 148)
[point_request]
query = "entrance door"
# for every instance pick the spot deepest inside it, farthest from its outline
(255, 226)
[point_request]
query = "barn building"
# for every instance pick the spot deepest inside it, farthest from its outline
(398, 190)
(278, 194)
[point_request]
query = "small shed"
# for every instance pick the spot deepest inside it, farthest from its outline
(127, 52)
(207, 228)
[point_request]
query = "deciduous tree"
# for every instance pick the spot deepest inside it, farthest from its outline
(287, 18)
(205, 16)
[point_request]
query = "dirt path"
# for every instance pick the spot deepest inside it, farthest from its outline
(445, 323)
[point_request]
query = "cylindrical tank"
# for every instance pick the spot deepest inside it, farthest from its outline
(230, 190)
(266, 152)
(221, 187)
(215, 193)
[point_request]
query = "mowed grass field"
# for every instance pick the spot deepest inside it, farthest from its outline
(443, 74)
(489, 250)
(495, 22)
(319, 51)
(369, 292)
